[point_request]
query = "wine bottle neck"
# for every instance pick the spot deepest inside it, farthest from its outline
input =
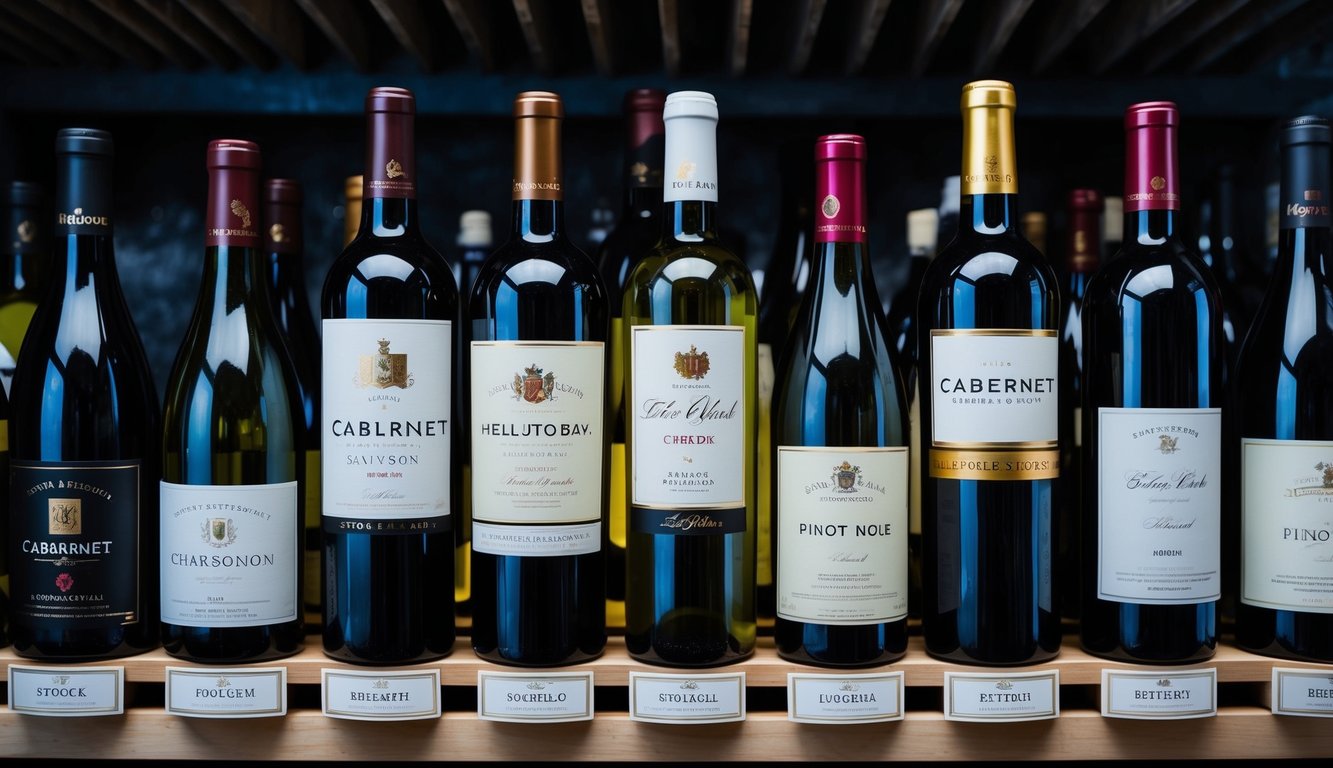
(1302, 254)
(844, 269)
(1153, 227)
(235, 274)
(988, 214)
(389, 216)
(539, 221)
(690, 220)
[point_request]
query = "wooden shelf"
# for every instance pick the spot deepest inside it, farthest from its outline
(1243, 728)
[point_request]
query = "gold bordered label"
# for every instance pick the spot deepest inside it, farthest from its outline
(692, 699)
(398, 695)
(226, 692)
(523, 697)
(844, 699)
(1302, 692)
(66, 691)
(994, 465)
(1159, 694)
(1001, 697)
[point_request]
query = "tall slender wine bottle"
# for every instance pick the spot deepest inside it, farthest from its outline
(539, 322)
(987, 336)
(840, 431)
(390, 479)
(23, 253)
(690, 312)
(634, 236)
(284, 244)
(233, 462)
(474, 246)
(84, 454)
(1152, 423)
(352, 208)
(1286, 446)
(1113, 226)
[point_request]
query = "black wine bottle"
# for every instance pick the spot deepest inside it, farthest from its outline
(840, 437)
(84, 454)
(1152, 423)
(1286, 446)
(391, 481)
(233, 437)
(987, 325)
(539, 320)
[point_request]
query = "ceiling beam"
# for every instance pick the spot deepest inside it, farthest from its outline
(96, 25)
(277, 23)
(1185, 33)
(807, 29)
(232, 32)
(475, 27)
(931, 26)
(1131, 25)
(408, 25)
(19, 43)
(597, 18)
(341, 23)
(1254, 19)
(70, 38)
(738, 36)
(185, 24)
(139, 22)
(668, 15)
(869, 19)
(1063, 25)
(535, 21)
(1002, 19)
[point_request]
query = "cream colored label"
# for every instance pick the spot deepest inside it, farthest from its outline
(1302, 692)
(66, 691)
(1159, 694)
(844, 699)
(1001, 697)
(687, 699)
(533, 697)
(766, 376)
(226, 692)
(381, 695)
(537, 433)
(994, 388)
(1287, 524)
(842, 518)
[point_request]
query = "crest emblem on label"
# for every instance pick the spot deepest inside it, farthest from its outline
(685, 171)
(846, 475)
(1157, 183)
(218, 531)
(240, 211)
(384, 369)
(65, 516)
(1167, 444)
(533, 386)
(992, 163)
(393, 169)
(830, 207)
(693, 364)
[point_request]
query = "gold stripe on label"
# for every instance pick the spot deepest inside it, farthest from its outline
(1046, 332)
(994, 465)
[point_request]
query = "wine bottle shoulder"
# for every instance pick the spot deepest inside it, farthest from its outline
(1143, 271)
(672, 261)
(390, 278)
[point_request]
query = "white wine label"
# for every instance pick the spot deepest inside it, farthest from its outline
(766, 379)
(1159, 694)
(1302, 692)
(226, 692)
(398, 695)
(66, 691)
(1287, 524)
(1159, 506)
(690, 159)
(387, 438)
(1001, 697)
(537, 540)
(842, 543)
(537, 432)
(692, 699)
(688, 399)
(230, 554)
(844, 699)
(527, 697)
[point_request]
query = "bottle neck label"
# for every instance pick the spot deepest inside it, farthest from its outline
(537, 171)
(391, 169)
(989, 164)
(691, 160)
(840, 202)
(282, 228)
(1084, 240)
(1305, 187)
(83, 195)
(233, 210)
(1151, 176)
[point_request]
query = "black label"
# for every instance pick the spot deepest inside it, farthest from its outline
(1305, 186)
(83, 195)
(687, 522)
(75, 543)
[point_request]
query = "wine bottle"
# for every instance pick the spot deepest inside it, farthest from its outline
(690, 313)
(951, 194)
(1152, 423)
(784, 283)
(988, 319)
(84, 454)
(1113, 226)
(1033, 225)
(233, 429)
(1082, 257)
(634, 235)
(390, 482)
(539, 322)
(840, 431)
(922, 234)
(22, 257)
(1286, 368)
(284, 244)
(474, 245)
(351, 208)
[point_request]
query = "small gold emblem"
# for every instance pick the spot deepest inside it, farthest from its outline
(238, 208)
(1167, 444)
(393, 169)
(384, 369)
(277, 234)
(1157, 183)
(533, 386)
(693, 364)
(218, 531)
(27, 231)
(1310, 195)
(65, 516)
(685, 170)
(992, 163)
(831, 207)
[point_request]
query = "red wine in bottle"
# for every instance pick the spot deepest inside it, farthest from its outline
(391, 481)
(1152, 423)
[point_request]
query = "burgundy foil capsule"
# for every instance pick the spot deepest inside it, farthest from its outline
(391, 169)
(646, 136)
(840, 195)
(1083, 245)
(1152, 175)
(282, 216)
(233, 194)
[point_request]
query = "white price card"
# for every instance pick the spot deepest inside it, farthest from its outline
(694, 699)
(396, 695)
(525, 697)
(1303, 692)
(844, 699)
(1159, 694)
(226, 692)
(66, 691)
(1001, 697)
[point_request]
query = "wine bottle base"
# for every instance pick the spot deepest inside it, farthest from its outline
(887, 657)
(36, 653)
(963, 657)
(535, 662)
(659, 661)
(1120, 653)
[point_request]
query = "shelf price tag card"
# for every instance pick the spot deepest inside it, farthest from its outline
(1001, 697)
(687, 699)
(844, 699)
(1159, 694)
(397, 695)
(226, 692)
(1302, 692)
(522, 697)
(66, 691)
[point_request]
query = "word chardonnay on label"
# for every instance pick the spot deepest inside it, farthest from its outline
(1286, 364)
(539, 325)
(84, 441)
(390, 481)
(988, 365)
(1152, 425)
(840, 430)
(233, 466)
(690, 312)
